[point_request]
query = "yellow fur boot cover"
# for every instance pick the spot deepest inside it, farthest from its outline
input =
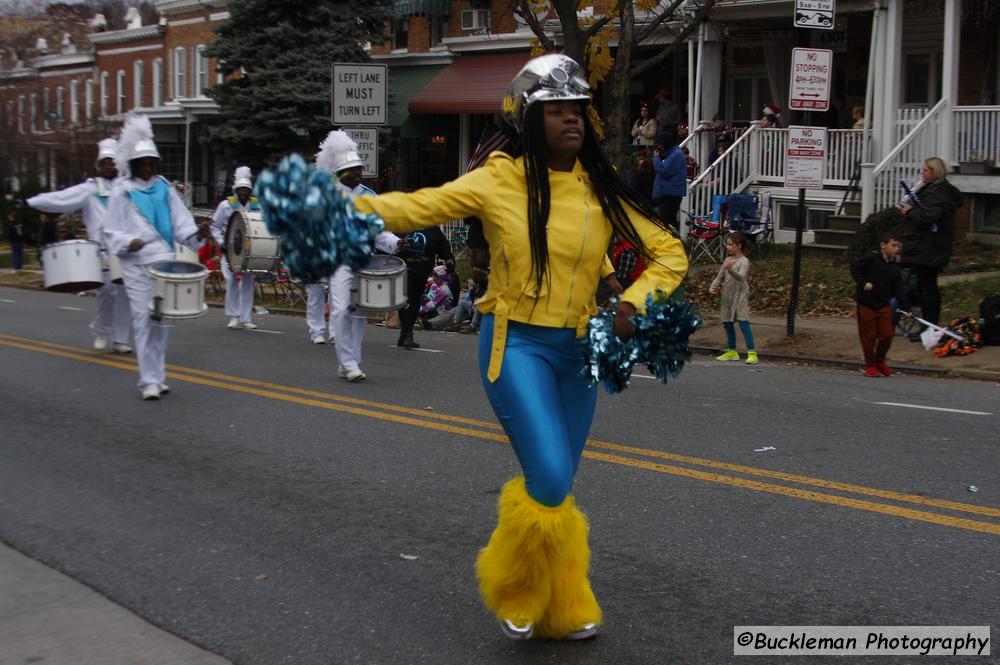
(514, 569)
(572, 604)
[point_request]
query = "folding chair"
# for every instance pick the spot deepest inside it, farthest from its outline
(704, 238)
(752, 216)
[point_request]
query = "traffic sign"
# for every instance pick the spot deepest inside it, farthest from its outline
(818, 14)
(367, 140)
(805, 157)
(359, 94)
(809, 88)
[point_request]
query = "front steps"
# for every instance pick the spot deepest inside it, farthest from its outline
(842, 229)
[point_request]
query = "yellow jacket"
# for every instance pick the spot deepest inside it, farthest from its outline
(578, 239)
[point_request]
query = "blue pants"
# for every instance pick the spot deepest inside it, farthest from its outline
(731, 334)
(543, 401)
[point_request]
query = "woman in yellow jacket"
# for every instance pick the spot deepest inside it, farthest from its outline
(548, 214)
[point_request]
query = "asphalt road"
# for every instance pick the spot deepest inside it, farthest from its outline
(272, 513)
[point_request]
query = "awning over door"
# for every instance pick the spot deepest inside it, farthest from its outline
(471, 84)
(404, 84)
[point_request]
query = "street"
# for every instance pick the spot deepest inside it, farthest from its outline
(272, 513)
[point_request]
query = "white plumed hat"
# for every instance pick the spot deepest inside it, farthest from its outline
(241, 178)
(106, 148)
(337, 152)
(135, 142)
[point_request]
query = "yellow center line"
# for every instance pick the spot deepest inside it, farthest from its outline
(353, 406)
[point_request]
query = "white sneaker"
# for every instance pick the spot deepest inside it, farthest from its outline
(101, 342)
(151, 392)
(355, 375)
(164, 389)
(118, 347)
(234, 323)
(318, 339)
(250, 325)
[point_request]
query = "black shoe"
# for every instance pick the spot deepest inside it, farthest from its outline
(406, 341)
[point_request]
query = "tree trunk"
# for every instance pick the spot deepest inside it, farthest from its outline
(616, 126)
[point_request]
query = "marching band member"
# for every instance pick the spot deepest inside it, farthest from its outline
(338, 155)
(239, 290)
(548, 213)
(111, 324)
(145, 216)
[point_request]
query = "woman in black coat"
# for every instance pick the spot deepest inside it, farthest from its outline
(929, 232)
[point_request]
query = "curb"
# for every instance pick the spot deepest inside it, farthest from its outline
(850, 364)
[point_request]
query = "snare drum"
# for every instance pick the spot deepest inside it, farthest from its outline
(178, 289)
(381, 285)
(185, 253)
(73, 265)
(250, 247)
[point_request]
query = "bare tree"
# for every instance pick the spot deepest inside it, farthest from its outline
(586, 39)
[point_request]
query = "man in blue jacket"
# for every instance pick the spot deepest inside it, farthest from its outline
(670, 184)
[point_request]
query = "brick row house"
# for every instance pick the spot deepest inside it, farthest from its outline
(926, 72)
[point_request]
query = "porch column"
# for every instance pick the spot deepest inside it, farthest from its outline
(949, 79)
(465, 141)
(893, 68)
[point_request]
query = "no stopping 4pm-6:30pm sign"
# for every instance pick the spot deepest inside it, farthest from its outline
(805, 159)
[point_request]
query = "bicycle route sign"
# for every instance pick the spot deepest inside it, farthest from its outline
(805, 157)
(809, 87)
(816, 14)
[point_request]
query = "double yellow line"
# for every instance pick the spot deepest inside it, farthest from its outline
(892, 503)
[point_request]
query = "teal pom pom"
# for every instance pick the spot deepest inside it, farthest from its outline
(660, 342)
(318, 225)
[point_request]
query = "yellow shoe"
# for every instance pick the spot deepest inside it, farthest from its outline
(730, 354)
(752, 358)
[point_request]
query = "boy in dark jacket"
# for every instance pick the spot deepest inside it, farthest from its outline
(877, 276)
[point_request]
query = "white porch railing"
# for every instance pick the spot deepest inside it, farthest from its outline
(732, 172)
(977, 133)
(906, 120)
(880, 184)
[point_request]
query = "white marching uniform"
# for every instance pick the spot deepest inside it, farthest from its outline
(315, 299)
(91, 198)
(348, 324)
(239, 292)
(125, 224)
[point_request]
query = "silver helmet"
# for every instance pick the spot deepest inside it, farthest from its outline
(547, 78)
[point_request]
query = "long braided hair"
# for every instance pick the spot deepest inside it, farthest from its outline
(609, 188)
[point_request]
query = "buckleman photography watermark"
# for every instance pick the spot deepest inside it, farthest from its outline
(861, 640)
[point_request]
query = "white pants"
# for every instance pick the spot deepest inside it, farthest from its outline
(315, 299)
(113, 316)
(348, 324)
(150, 336)
(239, 293)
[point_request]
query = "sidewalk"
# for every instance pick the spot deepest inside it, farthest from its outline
(834, 341)
(47, 617)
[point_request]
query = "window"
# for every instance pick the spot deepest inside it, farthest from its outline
(10, 114)
(180, 72)
(202, 60)
(45, 108)
(104, 93)
(157, 82)
(816, 218)
(33, 111)
(439, 28)
(74, 102)
(60, 105)
(20, 114)
(400, 32)
(120, 83)
(89, 102)
(922, 78)
(137, 99)
(219, 78)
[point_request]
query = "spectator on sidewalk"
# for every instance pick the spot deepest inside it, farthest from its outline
(735, 289)
(15, 236)
(877, 276)
(929, 233)
(670, 184)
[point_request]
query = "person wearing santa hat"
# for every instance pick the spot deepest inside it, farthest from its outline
(338, 155)
(771, 118)
(145, 216)
(111, 324)
(239, 286)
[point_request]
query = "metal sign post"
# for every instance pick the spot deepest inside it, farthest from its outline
(805, 161)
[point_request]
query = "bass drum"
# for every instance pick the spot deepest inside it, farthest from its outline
(250, 247)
